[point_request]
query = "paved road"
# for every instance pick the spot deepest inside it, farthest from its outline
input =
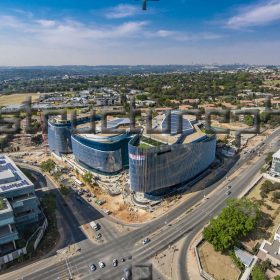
(163, 231)
(273, 143)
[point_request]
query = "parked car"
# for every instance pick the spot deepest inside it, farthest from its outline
(115, 262)
(92, 267)
(146, 241)
(101, 264)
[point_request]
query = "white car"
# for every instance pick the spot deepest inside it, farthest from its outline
(115, 262)
(101, 264)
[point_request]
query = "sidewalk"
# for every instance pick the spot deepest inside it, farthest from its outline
(193, 270)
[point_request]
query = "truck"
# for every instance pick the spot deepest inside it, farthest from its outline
(94, 226)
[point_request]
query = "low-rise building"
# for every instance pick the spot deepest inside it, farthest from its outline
(19, 205)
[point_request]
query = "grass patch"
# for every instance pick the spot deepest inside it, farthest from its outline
(144, 146)
(150, 142)
(2, 205)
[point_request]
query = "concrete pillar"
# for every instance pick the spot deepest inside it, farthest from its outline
(14, 243)
(10, 228)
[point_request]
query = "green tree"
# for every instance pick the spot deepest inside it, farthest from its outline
(142, 97)
(87, 177)
(258, 273)
(234, 222)
(249, 120)
(47, 166)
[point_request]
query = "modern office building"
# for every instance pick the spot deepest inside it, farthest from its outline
(275, 167)
(157, 162)
(59, 134)
(19, 206)
(103, 153)
(160, 162)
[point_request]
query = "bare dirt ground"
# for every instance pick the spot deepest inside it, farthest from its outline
(271, 210)
(231, 126)
(220, 266)
(17, 98)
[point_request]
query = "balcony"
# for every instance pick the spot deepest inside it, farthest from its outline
(6, 235)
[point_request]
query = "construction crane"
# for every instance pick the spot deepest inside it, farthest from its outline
(144, 5)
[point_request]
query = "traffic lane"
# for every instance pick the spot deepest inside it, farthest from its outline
(133, 237)
(157, 244)
(71, 230)
(211, 205)
(173, 213)
(195, 218)
(183, 274)
(74, 232)
(87, 213)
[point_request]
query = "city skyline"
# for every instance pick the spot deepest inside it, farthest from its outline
(121, 33)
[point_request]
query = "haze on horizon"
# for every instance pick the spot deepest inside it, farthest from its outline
(118, 32)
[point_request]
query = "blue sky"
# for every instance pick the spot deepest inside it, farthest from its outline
(98, 32)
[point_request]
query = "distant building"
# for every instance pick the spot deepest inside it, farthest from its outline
(145, 103)
(107, 101)
(275, 167)
(19, 205)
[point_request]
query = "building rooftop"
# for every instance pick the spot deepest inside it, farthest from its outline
(273, 249)
(244, 257)
(186, 134)
(11, 177)
(107, 137)
(160, 122)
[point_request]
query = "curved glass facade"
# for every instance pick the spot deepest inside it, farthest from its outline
(59, 138)
(168, 165)
(107, 157)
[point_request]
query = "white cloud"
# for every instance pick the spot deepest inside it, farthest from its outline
(45, 41)
(7, 21)
(122, 11)
(46, 23)
(184, 36)
(67, 31)
(256, 15)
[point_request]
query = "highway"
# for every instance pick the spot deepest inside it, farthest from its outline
(163, 231)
